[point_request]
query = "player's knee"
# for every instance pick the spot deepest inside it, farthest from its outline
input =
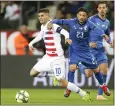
(33, 73)
(89, 74)
(103, 70)
(72, 68)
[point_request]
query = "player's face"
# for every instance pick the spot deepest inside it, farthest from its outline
(43, 17)
(102, 9)
(82, 16)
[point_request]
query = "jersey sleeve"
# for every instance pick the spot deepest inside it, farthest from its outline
(60, 30)
(61, 21)
(37, 38)
(95, 29)
(108, 30)
(92, 19)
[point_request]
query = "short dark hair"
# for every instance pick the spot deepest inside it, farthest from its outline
(102, 2)
(45, 10)
(82, 9)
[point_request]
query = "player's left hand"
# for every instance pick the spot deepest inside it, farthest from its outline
(111, 44)
(50, 26)
(92, 44)
(106, 37)
(69, 41)
(31, 48)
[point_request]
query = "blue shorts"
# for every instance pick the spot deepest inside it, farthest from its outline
(86, 58)
(100, 56)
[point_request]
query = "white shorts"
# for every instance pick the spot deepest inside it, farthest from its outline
(55, 64)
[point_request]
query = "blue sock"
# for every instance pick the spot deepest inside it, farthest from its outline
(104, 78)
(71, 76)
(99, 77)
(100, 91)
(81, 68)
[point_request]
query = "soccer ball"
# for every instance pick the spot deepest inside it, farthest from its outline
(22, 96)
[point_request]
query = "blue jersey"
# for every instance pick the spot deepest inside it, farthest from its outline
(79, 33)
(103, 25)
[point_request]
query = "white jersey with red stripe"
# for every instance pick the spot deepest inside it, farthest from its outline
(52, 41)
(54, 58)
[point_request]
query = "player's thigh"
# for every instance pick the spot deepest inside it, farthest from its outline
(73, 60)
(89, 61)
(103, 67)
(91, 64)
(59, 69)
(101, 58)
(43, 64)
(102, 62)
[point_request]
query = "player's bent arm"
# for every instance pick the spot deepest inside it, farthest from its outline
(105, 35)
(36, 39)
(108, 34)
(66, 34)
(97, 30)
(62, 31)
(58, 21)
(61, 21)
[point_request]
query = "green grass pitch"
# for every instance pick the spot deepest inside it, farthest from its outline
(52, 96)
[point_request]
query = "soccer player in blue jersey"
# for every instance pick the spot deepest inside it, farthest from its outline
(79, 51)
(96, 42)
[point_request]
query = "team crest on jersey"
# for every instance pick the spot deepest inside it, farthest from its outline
(80, 28)
(85, 28)
(104, 26)
(74, 27)
(98, 24)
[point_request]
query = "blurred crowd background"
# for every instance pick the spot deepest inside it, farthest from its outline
(13, 14)
(22, 15)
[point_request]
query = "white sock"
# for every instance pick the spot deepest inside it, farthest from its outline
(76, 89)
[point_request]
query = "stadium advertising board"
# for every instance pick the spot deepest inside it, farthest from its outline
(15, 74)
(8, 47)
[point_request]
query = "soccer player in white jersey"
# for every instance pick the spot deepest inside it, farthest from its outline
(54, 57)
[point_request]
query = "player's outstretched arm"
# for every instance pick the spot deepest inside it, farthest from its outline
(61, 21)
(108, 34)
(62, 31)
(58, 21)
(98, 31)
(35, 40)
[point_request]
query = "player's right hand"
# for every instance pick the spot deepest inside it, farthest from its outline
(31, 48)
(111, 44)
(69, 41)
(50, 26)
(106, 37)
(92, 44)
